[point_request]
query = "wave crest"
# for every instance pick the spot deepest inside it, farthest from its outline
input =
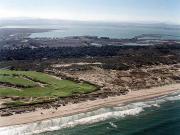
(86, 118)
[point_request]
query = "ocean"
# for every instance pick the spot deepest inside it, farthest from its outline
(164, 120)
(117, 31)
(112, 30)
(158, 116)
(155, 118)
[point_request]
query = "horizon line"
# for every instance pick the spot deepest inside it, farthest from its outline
(90, 20)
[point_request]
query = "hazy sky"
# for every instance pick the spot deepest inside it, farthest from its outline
(103, 10)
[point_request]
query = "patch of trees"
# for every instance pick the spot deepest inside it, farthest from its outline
(61, 52)
(127, 55)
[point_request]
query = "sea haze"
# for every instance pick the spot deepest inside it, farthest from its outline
(118, 31)
(100, 29)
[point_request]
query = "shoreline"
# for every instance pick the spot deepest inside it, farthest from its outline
(87, 106)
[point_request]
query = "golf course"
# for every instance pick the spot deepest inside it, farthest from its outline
(38, 86)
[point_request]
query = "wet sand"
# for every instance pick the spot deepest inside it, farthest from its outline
(70, 109)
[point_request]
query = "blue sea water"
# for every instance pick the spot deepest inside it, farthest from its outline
(159, 116)
(112, 30)
(163, 120)
(118, 31)
(156, 120)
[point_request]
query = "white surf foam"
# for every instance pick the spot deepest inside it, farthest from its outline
(113, 125)
(86, 118)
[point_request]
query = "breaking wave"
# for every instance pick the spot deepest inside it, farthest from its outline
(87, 118)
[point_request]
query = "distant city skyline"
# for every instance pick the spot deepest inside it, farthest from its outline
(94, 10)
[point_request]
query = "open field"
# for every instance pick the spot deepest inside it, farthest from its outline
(29, 84)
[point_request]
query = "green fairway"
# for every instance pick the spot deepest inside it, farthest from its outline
(16, 81)
(36, 84)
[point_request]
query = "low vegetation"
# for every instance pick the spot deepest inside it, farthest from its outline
(31, 84)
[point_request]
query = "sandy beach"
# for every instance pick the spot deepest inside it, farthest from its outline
(70, 109)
